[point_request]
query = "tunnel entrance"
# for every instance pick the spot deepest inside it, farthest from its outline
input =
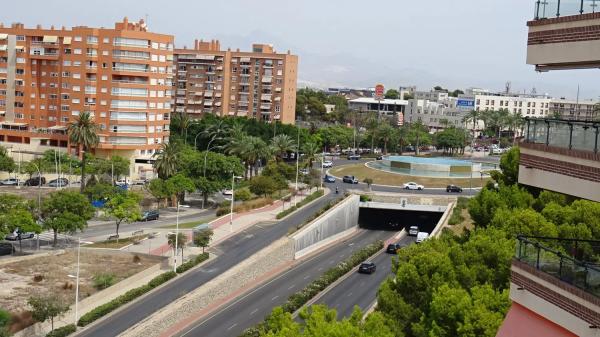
(396, 220)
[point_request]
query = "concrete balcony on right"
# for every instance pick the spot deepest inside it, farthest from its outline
(562, 156)
(564, 35)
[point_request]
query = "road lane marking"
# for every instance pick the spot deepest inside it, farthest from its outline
(306, 277)
(254, 311)
(331, 262)
(292, 286)
(349, 294)
(320, 268)
(274, 297)
(231, 327)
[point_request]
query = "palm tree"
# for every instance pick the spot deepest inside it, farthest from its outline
(402, 134)
(183, 121)
(167, 160)
(281, 144)
(83, 132)
(257, 150)
(372, 123)
(310, 150)
(473, 116)
(515, 123)
(385, 132)
(215, 131)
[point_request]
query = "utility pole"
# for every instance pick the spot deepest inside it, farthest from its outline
(297, 166)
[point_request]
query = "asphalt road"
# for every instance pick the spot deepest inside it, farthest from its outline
(232, 251)
(360, 289)
(252, 307)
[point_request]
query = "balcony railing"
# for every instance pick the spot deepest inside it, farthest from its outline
(565, 259)
(545, 9)
(572, 135)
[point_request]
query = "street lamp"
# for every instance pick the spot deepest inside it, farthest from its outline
(233, 177)
(176, 239)
(297, 166)
(77, 281)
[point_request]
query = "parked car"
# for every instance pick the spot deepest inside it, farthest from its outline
(60, 182)
(413, 230)
(9, 182)
(327, 164)
(354, 157)
(150, 215)
(413, 186)
(305, 171)
(227, 192)
(367, 268)
(35, 181)
(6, 249)
(140, 182)
(14, 236)
(453, 188)
(350, 180)
(329, 179)
(422, 236)
(379, 158)
(393, 248)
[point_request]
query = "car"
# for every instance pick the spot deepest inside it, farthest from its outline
(14, 236)
(9, 182)
(327, 164)
(496, 151)
(150, 215)
(379, 158)
(35, 181)
(353, 157)
(305, 171)
(60, 182)
(453, 188)
(6, 249)
(393, 248)
(422, 236)
(413, 186)
(140, 182)
(227, 192)
(367, 268)
(413, 230)
(329, 179)
(350, 180)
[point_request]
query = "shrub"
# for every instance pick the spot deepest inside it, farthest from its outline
(4, 318)
(62, 331)
(192, 263)
(243, 194)
(245, 206)
(38, 278)
(304, 201)
(136, 259)
(103, 281)
(365, 198)
(129, 296)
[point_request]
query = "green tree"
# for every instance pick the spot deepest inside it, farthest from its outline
(263, 185)
(65, 212)
(182, 122)
(202, 238)
(177, 242)
(523, 222)
(392, 94)
(281, 145)
(124, 207)
(100, 191)
(47, 307)
(167, 160)
(509, 164)
(419, 135)
(369, 182)
(21, 220)
(83, 132)
(7, 164)
(385, 133)
(178, 184)
(310, 151)
(158, 188)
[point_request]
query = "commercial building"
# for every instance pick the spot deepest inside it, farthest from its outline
(258, 84)
(392, 108)
(121, 75)
(586, 110)
(527, 105)
(438, 115)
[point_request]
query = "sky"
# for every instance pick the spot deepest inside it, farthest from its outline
(352, 43)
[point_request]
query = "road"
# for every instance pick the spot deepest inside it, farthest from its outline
(234, 250)
(252, 307)
(360, 289)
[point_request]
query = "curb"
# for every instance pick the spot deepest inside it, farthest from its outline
(326, 191)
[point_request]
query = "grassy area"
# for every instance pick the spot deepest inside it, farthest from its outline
(192, 224)
(114, 244)
(360, 171)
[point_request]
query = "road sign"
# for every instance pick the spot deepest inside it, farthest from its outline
(379, 91)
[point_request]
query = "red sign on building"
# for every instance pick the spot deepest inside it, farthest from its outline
(379, 91)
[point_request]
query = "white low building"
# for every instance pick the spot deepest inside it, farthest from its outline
(385, 107)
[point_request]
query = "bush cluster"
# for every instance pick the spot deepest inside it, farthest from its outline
(245, 206)
(297, 300)
(129, 296)
(456, 217)
(62, 331)
(365, 198)
(192, 263)
(305, 201)
(104, 280)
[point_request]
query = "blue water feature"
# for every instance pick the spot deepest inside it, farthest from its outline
(439, 167)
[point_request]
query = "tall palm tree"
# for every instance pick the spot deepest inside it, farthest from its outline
(167, 160)
(384, 133)
(215, 131)
(257, 150)
(83, 132)
(310, 150)
(182, 121)
(515, 124)
(402, 133)
(474, 117)
(281, 144)
(372, 123)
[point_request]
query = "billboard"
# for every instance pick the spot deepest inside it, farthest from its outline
(379, 91)
(465, 103)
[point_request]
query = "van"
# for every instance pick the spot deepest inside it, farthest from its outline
(422, 236)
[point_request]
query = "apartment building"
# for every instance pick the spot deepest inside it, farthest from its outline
(527, 105)
(437, 115)
(258, 84)
(392, 108)
(586, 110)
(121, 75)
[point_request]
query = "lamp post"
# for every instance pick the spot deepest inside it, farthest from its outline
(297, 166)
(322, 164)
(233, 177)
(176, 239)
(76, 277)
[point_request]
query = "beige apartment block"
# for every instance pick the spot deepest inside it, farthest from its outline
(259, 84)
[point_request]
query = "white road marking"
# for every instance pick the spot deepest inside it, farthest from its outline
(349, 294)
(306, 277)
(274, 298)
(321, 268)
(231, 327)
(331, 262)
(254, 311)
(292, 286)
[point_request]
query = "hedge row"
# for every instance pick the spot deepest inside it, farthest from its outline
(129, 296)
(297, 300)
(62, 331)
(456, 217)
(305, 201)
(192, 263)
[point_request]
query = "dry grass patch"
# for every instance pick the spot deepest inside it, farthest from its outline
(49, 275)
(117, 244)
(360, 171)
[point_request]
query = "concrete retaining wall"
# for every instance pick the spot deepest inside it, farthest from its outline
(339, 221)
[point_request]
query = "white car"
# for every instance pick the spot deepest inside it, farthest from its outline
(227, 192)
(422, 236)
(413, 186)
(413, 231)
(327, 164)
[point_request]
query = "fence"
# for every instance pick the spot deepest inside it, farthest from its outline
(545, 9)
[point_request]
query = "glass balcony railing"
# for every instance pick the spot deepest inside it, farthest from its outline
(546, 9)
(572, 261)
(572, 135)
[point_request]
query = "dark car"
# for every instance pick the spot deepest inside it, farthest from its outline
(367, 268)
(379, 158)
(6, 249)
(329, 179)
(350, 180)
(393, 248)
(60, 182)
(354, 157)
(35, 181)
(150, 215)
(453, 188)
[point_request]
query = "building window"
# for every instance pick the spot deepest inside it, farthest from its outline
(92, 39)
(77, 38)
(20, 37)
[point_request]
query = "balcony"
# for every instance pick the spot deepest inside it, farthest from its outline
(564, 35)
(562, 156)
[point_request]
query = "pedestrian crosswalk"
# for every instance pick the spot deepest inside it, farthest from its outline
(63, 238)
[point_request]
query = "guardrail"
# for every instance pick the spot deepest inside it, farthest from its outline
(545, 9)
(572, 135)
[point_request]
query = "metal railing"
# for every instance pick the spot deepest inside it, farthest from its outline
(568, 134)
(545, 9)
(558, 257)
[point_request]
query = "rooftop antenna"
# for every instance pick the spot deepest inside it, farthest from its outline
(146, 20)
(533, 91)
(507, 87)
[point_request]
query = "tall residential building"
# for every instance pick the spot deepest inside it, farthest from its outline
(586, 110)
(121, 75)
(258, 84)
